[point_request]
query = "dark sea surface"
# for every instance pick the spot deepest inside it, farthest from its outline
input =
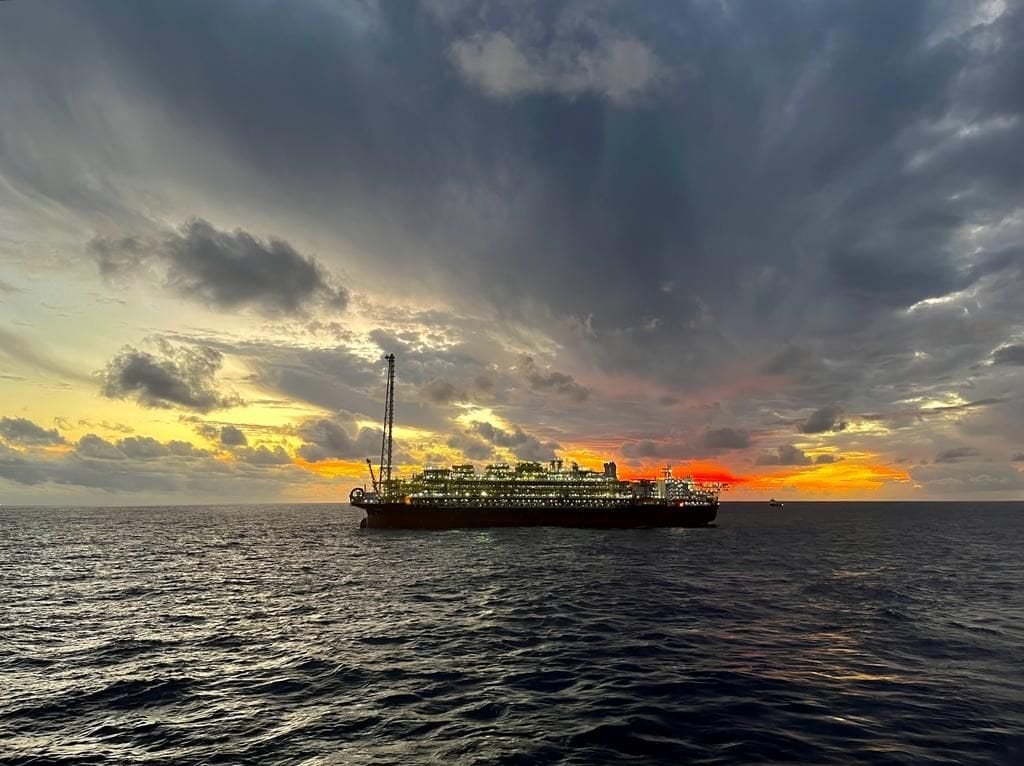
(820, 633)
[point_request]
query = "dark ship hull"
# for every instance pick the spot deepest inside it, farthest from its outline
(424, 516)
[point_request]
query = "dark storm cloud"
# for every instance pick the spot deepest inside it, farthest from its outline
(956, 454)
(441, 392)
(471, 446)
(490, 147)
(826, 419)
(227, 270)
(545, 380)
(792, 360)
(177, 377)
(330, 439)
(523, 445)
(24, 431)
(786, 454)
(231, 436)
(724, 439)
(648, 448)
(827, 458)
(710, 442)
(1009, 355)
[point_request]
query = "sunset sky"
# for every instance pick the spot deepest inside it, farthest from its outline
(780, 244)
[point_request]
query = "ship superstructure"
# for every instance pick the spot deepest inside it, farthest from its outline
(526, 494)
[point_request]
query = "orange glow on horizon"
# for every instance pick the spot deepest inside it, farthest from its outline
(832, 478)
(850, 476)
(334, 469)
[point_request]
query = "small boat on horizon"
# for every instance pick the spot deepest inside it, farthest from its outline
(775, 503)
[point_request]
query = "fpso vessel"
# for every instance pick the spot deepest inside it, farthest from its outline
(526, 494)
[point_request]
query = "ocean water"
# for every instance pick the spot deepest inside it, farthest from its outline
(820, 633)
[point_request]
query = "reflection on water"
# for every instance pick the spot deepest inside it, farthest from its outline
(828, 634)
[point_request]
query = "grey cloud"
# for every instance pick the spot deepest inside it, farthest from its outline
(441, 392)
(227, 270)
(969, 479)
(523, 445)
(648, 448)
(389, 342)
(328, 439)
(262, 455)
(134, 448)
(786, 454)
(231, 436)
(540, 379)
(16, 467)
(94, 446)
(206, 430)
(484, 384)
(829, 418)
(792, 360)
(827, 458)
(120, 257)
(335, 378)
(536, 450)
(180, 448)
(724, 439)
(472, 447)
(143, 447)
(131, 467)
(177, 377)
(711, 441)
(24, 431)
(956, 454)
(1002, 420)
(1013, 354)
(1018, 457)
(7, 288)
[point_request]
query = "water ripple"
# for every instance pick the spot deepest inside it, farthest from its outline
(838, 634)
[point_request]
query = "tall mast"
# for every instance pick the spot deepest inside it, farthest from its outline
(391, 407)
(389, 425)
